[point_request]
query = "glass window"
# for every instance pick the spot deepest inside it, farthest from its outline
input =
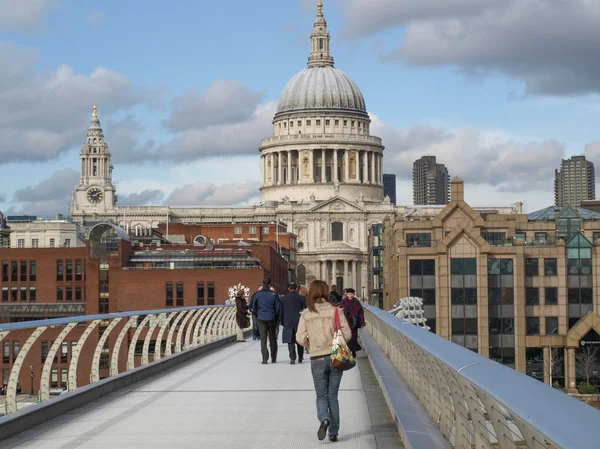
(4, 294)
(67, 243)
(59, 270)
(541, 237)
(54, 378)
(59, 293)
(318, 122)
(252, 229)
(103, 305)
(32, 271)
(52, 243)
(64, 377)
(237, 230)
(78, 270)
(327, 122)
(422, 240)
(5, 271)
(596, 236)
(69, 295)
(14, 268)
(6, 351)
(551, 296)
(520, 235)
(21, 243)
(35, 243)
(16, 349)
(180, 294)
(78, 295)
(211, 293)
(550, 267)
(69, 272)
(201, 297)
(533, 325)
(337, 123)
(551, 325)
(532, 296)
(265, 230)
(308, 123)
(44, 352)
(169, 295)
(464, 266)
(13, 294)
(32, 294)
(64, 352)
(337, 231)
(23, 271)
(23, 293)
(531, 267)
(494, 238)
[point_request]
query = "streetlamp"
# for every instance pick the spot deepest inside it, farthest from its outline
(31, 375)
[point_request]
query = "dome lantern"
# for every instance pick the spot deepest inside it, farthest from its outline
(320, 41)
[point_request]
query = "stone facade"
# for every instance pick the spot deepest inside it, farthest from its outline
(512, 287)
(45, 234)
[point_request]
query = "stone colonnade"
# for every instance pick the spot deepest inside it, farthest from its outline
(347, 269)
(289, 167)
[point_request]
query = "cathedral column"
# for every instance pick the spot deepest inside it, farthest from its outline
(346, 280)
(335, 166)
(289, 170)
(272, 156)
(380, 169)
(346, 166)
(280, 167)
(353, 283)
(333, 271)
(311, 175)
(262, 170)
(373, 167)
(324, 270)
(365, 167)
(323, 166)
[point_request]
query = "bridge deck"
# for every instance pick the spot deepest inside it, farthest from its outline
(226, 399)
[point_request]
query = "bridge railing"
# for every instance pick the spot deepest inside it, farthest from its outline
(115, 339)
(476, 402)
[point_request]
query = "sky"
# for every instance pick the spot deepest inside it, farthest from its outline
(499, 90)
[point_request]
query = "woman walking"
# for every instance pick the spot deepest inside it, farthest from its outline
(355, 316)
(315, 332)
(241, 316)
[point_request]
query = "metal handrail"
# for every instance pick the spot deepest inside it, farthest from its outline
(476, 401)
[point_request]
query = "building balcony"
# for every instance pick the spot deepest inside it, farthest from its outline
(319, 139)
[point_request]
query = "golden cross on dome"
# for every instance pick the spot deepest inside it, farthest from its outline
(95, 111)
(320, 6)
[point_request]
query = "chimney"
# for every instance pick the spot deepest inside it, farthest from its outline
(457, 190)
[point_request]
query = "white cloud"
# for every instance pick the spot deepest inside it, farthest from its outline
(143, 198)
(210, 194)
(50, 196)
(95, 19)
(24, 16)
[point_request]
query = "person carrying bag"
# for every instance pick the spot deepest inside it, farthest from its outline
(323, 329)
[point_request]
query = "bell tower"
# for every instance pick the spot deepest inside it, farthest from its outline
(95, 193)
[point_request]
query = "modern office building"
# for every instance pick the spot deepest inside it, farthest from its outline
(430, 182)
(389, 187)
(574, 182)
(511, 287)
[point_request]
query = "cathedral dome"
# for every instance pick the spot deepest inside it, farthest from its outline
(321, 87)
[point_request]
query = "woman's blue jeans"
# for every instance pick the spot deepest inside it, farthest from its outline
(327, 384)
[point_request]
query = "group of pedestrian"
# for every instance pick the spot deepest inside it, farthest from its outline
(308, 320)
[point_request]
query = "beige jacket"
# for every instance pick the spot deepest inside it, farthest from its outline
(315, 330)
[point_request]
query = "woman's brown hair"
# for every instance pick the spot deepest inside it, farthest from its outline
(317, 293)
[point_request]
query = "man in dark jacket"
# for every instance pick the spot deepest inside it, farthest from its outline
(265, 307)
(291, 306)
(334, 296)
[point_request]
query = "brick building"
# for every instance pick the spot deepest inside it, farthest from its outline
(111, 275)
(520, 289)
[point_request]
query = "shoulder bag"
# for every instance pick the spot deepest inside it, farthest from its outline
(341, 356)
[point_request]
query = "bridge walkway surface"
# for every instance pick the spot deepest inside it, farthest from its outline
(224, 399)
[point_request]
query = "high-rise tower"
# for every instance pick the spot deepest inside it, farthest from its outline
(574, 182)
(430, 182)
(95, 192)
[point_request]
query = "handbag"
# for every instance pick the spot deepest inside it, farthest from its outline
(341, 356)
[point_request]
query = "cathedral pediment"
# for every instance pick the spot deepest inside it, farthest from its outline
(337, 204)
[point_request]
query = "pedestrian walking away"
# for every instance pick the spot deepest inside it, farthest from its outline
(265, 308)
(315, 331)
(242, 315)
(255, 332)
(355, 316)
(291, 306)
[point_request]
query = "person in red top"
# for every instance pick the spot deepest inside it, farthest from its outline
(355, 315)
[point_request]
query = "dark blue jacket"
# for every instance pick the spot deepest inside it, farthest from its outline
(266, 305)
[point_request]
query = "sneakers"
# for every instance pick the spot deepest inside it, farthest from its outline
(323, 429)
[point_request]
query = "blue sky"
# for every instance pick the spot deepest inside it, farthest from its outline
(499, 91)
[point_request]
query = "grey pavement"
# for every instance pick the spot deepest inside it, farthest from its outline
(225, 399)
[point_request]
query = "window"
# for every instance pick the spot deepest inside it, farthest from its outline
(64, 352)
(169, 295)
(318, 122)
(103, 282)
(291, 124)
(23, 294)
(520, 235)
(494, 238)
(465, 266)
(532, 296)
(32, 271)
(103, 305)
(327, 122)
(308, 123)
(21, 243)
(337, 123)
(59, 293)
(14, 267)
(551, 325)
(69, 293)
(54, 378)
(78, 295)
(551, 296)
(299, 122)
(5, 271)
(23, 271)
(345, 122)
(4, 294)
(252, 230)
(211, 293)
(180, 294)
(550, 267)
(78, 270)
(531, 267)
(422, 240)
(32, 294)
(44, 352)
(60, 270)
(337, 231)
(533, 325)
(64, 377)
(13, 294)
(67, 243)
(596, 236)
(265, 230)
(16, 349)
(201, 293)
(52, 243)
(35, 243)
(237, 230)
(541, 237)
(6, 352)
(69, 272)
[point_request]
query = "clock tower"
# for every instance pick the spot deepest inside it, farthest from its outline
(95, 193)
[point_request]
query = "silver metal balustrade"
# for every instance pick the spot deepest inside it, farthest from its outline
(187, 328)
(476, 402)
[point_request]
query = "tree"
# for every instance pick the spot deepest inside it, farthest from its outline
(586, 362)
(554, 364)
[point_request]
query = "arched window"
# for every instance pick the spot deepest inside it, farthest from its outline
(337, 231)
